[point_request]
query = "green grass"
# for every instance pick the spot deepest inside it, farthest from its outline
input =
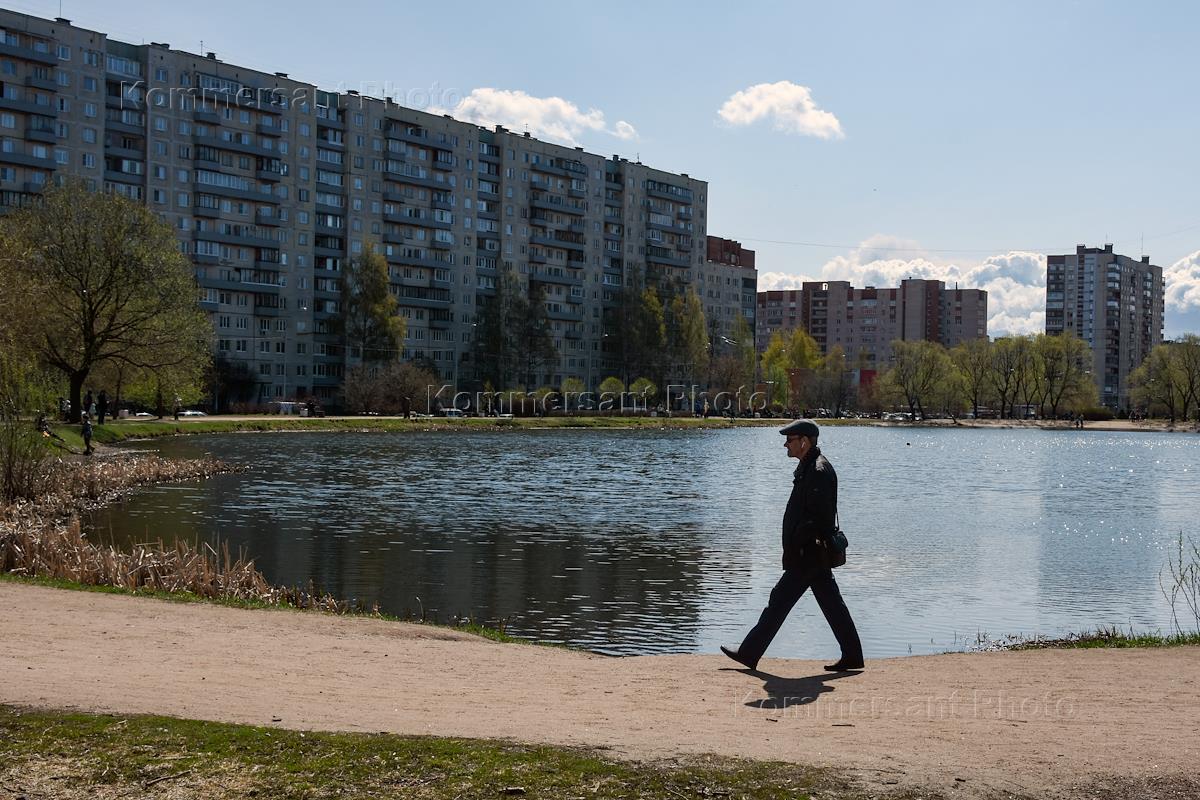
(120, 430)
(1107, 637)
(119, 756)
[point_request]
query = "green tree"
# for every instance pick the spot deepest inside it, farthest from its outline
(368, 319)
(1158, 381)
(830, 384)
(1063, 359)
(645, 389)
(106, 282)
(784, 355)
(1008, 360)
(532, 336)
(973, 359)
(1186, 353)
(687, 336)
(571, 389)
(745, 351)
(494, 350)
(920, 371)
(647, 335)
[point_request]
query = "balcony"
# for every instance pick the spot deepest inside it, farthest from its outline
(268, 175)
(26, 160)
(550, 277)
(267, 219)
(28, 54)
(240, 194)
(25, 107)
(671, 262)
(49, 84)
(267, 130)
(237, 147)
(124, 177)
(206, 117)
(40, 135)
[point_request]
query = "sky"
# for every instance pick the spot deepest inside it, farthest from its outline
(863, 141)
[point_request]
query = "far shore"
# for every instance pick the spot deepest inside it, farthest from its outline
(115, 431)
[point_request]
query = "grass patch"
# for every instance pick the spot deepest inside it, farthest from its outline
(121, 430)
(1111, 636)
(110, 756)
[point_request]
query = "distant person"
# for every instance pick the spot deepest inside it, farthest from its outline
(87, 403)
(64, 409)
(809, 520)
(86, 430)
(101, 407)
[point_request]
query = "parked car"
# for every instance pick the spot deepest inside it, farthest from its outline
(191, 412)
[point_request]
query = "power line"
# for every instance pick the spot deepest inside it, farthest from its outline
(862, 246)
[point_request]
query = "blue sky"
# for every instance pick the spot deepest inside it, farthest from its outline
(955, 140)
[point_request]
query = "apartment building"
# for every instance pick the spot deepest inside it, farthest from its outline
(272, 185)
(727, 284)
(1112, 302)
(864, 322)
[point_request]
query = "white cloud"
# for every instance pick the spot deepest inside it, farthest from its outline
(1015, 281)
(771, 281)
(1182, 281)
(544, 117)
(788, 105)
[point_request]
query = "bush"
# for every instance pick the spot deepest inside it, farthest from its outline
(1097, 414)
(24, 459)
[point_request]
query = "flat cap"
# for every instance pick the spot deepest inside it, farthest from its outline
(801, 427)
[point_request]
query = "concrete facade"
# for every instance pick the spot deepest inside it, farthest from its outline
(864, 322)
(1112, 302)
(728, 286)
(272, 185)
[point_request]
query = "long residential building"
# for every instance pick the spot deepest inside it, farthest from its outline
(864, 322)
(272, 185)
(728, 286)
(1112, 302)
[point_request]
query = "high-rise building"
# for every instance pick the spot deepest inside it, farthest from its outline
(728, 286)
(864, 322)
(1112, 302)
(272, 185)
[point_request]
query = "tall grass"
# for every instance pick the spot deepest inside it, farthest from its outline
(42, 538)
(1180, 584)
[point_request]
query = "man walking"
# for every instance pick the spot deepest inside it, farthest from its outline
(808, 522)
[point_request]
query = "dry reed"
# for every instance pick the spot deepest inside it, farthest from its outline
(43, 538)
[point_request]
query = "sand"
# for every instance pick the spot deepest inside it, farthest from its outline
(979, 724)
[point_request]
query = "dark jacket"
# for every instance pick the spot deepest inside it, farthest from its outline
(811, 513)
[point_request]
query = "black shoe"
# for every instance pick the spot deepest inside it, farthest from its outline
(733, 653)
(844, 665)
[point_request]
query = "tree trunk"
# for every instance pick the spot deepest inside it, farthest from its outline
(77, 378)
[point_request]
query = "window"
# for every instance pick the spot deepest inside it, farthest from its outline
(8, 121)
(89, 84)
(160, 74)
(89, 160)
(89, 110)
(64, 52)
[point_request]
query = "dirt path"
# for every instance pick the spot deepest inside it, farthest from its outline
(1032, 722)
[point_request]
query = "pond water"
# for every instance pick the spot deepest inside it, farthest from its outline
(631, 542)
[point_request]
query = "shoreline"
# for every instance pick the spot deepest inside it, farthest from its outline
(115, 432)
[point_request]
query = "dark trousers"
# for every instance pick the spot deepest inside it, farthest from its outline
(790, 588)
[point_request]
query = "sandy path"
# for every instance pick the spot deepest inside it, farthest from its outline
(1030, 722)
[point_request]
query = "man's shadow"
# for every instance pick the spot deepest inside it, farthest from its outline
(787, 692)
